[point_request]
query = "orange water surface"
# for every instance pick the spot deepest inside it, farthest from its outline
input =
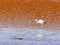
(21, 13)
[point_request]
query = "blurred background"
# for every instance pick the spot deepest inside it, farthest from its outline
(22, 13)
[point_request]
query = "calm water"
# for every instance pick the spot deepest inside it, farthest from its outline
(28, 36)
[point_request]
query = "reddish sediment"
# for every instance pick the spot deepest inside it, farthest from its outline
(22, 13)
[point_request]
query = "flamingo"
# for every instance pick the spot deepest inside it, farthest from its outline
(40, 21)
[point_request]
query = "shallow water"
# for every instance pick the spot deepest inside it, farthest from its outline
(28, 36)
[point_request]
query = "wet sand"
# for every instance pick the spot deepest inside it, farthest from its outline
(29, 36)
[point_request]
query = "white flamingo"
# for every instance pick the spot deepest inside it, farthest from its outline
(40, 21)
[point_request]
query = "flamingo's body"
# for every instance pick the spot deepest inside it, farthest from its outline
(40, 21)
